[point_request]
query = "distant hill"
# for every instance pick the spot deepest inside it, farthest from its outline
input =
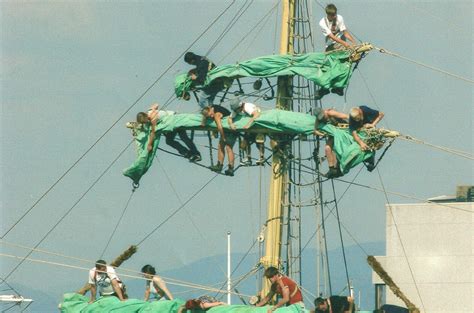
(207, 271)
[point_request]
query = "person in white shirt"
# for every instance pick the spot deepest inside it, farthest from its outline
(153, 116)
(334, 30)
(336, 33)
(253, 111)
(104, 278)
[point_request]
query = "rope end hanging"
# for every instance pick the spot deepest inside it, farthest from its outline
(135, 186)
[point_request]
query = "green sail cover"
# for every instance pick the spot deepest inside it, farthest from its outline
(326, 70)
(75, 303)
(346, 148)
(144, 159)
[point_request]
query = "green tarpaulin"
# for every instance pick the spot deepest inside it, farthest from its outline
(75, 303)
(346, 148)
(326, 70)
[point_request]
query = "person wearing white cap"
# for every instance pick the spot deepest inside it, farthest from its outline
(253, 111)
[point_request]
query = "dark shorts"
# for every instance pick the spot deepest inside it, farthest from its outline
(230, 138)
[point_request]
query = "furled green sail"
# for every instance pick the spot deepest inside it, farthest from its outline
(75, 303)
(326, 70)
(347, 150)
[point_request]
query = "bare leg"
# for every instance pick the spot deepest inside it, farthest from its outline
(220, 152)
(230, 155)
(261, 149)
(330, 155)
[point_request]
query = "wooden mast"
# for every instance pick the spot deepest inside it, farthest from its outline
(278, 195)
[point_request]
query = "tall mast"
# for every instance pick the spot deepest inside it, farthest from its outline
(278, 195)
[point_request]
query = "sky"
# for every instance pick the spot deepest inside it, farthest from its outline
(69, 70)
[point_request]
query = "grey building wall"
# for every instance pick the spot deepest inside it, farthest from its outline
(430, 255)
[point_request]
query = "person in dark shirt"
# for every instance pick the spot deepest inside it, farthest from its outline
(207, 94)
(227, 138)
(363, 117)
(334, 304)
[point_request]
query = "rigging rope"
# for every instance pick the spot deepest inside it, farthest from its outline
(237, 281)
(331, 211)
(382, 50)
(85, 260)
(371, 167)
(188, 214)
(70, 210)
(340, 235)
(445, 149)
(371, 95)
(405, 196)
(401, 242)
(445, 21)
(3, 281)
(324, 229)
(116, 121)
(169, 281)
(229, 26)
(118, 223)
(177, 210)
(307, 291)
(265, 20)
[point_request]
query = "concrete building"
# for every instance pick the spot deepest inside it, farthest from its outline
(430, 253)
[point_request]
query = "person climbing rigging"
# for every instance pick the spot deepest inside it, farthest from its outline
(249, 110)
(205, 94)
(106, 280)
(333, 117)
(155, 285)
(283, 286)
(154, 116)
(227, 138)
(336, 35)
(363, 117)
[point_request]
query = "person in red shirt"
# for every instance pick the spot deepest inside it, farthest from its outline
(283, 286)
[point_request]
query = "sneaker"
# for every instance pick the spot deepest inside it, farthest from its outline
(321, 93)
(195, 158)
(216, 168)
(370, 163)
(229, 171)
(338, 91)
(370, 167)
(260, 161)
(246, 162)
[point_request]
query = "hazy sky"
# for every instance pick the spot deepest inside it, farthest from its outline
(69, 70)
